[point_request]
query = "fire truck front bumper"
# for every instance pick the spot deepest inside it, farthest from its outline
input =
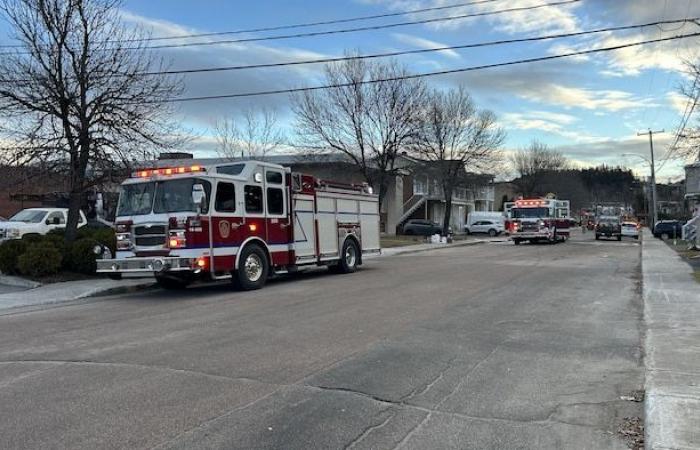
(531, 235)
(146, 265)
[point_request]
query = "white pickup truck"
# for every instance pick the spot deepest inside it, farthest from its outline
(36, 221)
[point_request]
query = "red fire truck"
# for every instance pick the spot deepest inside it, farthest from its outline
(538, 219)
(240, 221)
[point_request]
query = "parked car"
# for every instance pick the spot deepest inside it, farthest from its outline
(666, 229)
(630, 229)
(492, 227)
(420, 227)
(36, 221)
(608, 226)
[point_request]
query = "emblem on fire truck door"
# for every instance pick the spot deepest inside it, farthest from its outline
(224, 229)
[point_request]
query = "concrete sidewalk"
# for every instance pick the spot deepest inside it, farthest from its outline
(672, 346)
(69, 291)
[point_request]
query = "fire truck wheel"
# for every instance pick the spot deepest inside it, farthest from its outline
(252, 269)
(349, 258)
(172, 283)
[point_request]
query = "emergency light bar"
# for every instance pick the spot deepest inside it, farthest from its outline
(145, 173)
(530, 203)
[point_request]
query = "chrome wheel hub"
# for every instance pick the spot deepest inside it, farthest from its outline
(350, 256)
(253, 267)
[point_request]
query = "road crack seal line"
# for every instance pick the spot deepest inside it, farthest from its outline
(469, 372)
(135, 366)
(367, 431)
(420, 391)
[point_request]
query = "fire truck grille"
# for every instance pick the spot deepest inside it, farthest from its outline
(530, 226)
(150, 235)
(150, 241)
(149, 230)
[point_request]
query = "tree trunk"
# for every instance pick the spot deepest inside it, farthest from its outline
(75, 202)
(448, 212)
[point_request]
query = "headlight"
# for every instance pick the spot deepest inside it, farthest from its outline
(13, 233)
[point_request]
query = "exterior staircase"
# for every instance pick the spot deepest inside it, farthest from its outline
(411, 206)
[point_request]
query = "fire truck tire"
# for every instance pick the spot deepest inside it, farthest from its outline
(172, 283)
(350, 257)
(252, 269)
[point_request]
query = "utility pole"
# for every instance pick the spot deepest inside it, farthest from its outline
(654, 211)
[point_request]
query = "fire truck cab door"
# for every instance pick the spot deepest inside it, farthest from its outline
(278, 227)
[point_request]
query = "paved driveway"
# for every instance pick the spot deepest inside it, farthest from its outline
(485, 347)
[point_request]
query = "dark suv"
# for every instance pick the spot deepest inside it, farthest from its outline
(668, 229)
(608, 226)
(420, 227)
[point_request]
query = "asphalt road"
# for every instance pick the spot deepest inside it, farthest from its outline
(486, 347)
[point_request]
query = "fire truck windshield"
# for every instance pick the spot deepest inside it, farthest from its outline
(529, 213)
(161, 197)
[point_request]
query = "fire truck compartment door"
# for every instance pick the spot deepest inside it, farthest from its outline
(304, 228)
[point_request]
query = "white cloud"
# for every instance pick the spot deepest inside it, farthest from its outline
(561, 18)
(201, 114)
(573, 97)
(678, 102)
(548, 122)
(425, 44)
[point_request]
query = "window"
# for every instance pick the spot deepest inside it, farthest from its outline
(176, 196)
(274, 177)
(253, 199)
(29, 216)
(275, 201)
(234, 169)
(56, 218)
(225, 197)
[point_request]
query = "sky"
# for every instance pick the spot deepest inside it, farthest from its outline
(589, 107)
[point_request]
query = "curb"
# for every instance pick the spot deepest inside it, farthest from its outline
(118, 290)
(18, 282)
(409, 250)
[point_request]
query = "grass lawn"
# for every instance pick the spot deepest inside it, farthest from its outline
(400, 241)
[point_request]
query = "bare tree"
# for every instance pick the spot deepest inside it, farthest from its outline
(532, 164)
(456, 138)
(77, 92)
(254, 135)
(369, 117)
(687, 146)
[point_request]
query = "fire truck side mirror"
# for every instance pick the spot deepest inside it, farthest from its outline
(199, 197)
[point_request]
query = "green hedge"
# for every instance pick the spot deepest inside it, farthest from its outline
(81, 257)
(39, 260)
(76, 257)
(10, 251)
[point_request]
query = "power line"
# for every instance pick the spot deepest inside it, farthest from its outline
(401, 53)
(298, 25)
(416, 51)
(441, 72)
(344, 30)
(365, 28)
